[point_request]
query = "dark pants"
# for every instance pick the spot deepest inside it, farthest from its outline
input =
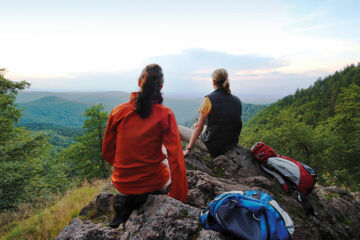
(125, 204)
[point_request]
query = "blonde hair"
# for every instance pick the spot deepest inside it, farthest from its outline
(221, 79)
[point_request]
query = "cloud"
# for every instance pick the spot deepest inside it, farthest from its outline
(271, 83)
(190, 70)
(197, 59)
(189, 74)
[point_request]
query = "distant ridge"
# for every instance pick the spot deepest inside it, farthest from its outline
(109, 99)
(53, 110)
(184, 109)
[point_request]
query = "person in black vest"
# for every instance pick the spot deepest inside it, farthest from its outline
(222, 111)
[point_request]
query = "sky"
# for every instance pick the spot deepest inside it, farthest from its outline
(268, 47)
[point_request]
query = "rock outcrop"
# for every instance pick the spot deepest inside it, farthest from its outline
(162, 217)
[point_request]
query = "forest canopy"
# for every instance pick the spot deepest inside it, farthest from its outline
(33, 169)
(319, 126)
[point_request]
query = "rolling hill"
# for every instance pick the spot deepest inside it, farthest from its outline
(53, 110)
(42, 105)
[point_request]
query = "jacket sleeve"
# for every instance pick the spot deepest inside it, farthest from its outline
(172, 142)
(109, 142)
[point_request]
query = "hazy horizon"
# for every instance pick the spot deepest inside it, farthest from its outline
(269, 48)
(257, 97)
(246, 98)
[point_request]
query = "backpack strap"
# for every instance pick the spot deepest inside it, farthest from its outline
(284, 215)
(208, 221)
(277, 176)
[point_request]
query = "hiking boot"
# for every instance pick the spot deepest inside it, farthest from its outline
(119, 207)
(124, 205)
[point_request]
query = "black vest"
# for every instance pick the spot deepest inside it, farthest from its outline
(223, 123)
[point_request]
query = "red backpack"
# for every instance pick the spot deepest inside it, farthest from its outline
(300, 174)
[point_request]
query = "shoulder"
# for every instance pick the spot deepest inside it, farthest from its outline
(119, 109)
(210, 95)
(162, 110)
(206, 101)
(235, 98)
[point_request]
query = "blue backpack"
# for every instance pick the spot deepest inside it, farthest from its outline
(247, 215)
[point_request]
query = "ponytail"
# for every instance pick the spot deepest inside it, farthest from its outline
(226, 86)
(151, 81)
(220, 77)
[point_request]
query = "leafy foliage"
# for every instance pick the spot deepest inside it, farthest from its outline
(59, 137)
(61, 130)
(9, 114)
(250, 110)
(32, 170)
(83, 159)
(26, 166)
(319, 126)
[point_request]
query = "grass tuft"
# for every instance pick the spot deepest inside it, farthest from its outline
(48, 223)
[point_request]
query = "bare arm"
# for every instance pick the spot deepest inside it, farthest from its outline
(197, 130)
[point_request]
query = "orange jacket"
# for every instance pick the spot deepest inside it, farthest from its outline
(133, 146)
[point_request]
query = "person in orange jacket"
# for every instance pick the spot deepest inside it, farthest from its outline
(133, 141)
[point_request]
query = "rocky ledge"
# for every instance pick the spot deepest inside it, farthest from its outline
(162, 217)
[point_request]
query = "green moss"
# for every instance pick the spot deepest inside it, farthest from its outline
(91, 213)
(83, 218)
(348, 221)
(207, 158)
(277, 192)
(97, 217)
(219, 172)
(298, 210)
(74, 215)
(101, 219)
(189, 167)
(330, 195)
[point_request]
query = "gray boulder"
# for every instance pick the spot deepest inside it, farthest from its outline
(162, 217)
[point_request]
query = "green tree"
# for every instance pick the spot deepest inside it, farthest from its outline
(84, 158)
(285, 134)
(9, 113)
(20, 150)
(319, 126)
(339, 139)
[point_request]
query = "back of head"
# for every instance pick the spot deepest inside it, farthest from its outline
(152, 79)
(221, 79)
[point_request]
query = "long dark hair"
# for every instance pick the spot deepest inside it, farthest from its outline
(152, 79)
